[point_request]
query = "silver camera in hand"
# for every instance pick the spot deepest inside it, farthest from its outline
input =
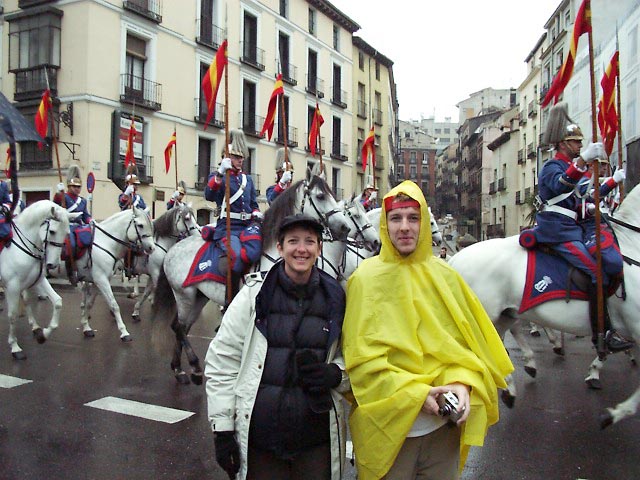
(448, 403)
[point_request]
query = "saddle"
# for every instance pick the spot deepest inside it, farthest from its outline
(77, 242)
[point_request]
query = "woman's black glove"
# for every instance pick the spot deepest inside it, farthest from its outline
(227, 452)
(319, 377)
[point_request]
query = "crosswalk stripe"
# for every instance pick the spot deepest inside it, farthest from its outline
(9, 382)
(139, 409)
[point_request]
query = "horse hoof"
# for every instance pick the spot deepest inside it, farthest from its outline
(535, 333)
(135, 317)
(594, 383)
(89, 334)
(508, 399)
(532, 371)
(126, 338)
(38, 334)
(183, 378)
(606, 419)
(19, 356)
(558, 351)
(196, 378)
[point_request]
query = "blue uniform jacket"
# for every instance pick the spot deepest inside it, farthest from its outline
(246, 203)
(5, 199)
(125, 200)
(72, 205)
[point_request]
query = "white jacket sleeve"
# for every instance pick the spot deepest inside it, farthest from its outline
(223, 361)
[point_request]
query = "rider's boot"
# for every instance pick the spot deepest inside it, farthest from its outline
(72, 273)
(613, 341)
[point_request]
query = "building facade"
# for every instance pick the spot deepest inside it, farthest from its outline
(417, 160)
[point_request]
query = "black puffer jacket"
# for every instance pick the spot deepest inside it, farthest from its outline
(292, 318)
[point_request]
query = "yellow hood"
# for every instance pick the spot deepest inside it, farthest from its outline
(412, 323)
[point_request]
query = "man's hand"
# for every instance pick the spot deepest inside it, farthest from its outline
(619, 175)
(373, 195)
(224, 166)
(257, 215)
(461, 391)
(60, 187)
(286, 178)
(594, 151)
(227, 452)
(129, 190)
(175, 195)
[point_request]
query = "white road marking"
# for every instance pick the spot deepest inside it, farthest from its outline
(9, 382)
(349, 449)
(139, 409)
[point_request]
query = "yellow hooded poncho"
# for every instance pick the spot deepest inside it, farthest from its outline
(412, 323)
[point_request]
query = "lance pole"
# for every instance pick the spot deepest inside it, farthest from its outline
(227, 175)
(53, 126)
(284, 133)
(619, 116)
(175, 146)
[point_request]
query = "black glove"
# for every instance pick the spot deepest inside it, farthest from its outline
(319, 377)
(227, 452)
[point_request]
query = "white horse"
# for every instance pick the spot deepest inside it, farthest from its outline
(38, 236)
(311, 196)
(168, 229)
(495, 270)
(112, 238)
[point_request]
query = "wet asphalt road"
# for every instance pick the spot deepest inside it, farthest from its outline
(47, 431)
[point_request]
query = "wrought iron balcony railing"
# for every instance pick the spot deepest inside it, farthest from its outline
(339, 97)
(140, 91)
(289, 72)
(362, 109)
(315, 86)
(209, 33)
(339, 151)
(251, 123)
(377, 116)
(151, 9)
(201, 113)
(292, 136)
(252, 55)
(30, 83)
(502, 184)
(145, 169)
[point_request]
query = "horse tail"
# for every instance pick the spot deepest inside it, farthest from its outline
(163, 311)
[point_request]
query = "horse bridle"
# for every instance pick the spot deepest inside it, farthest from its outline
(135, 246)
(323, 217)
(359, 230)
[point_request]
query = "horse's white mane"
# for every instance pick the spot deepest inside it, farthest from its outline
(36, 211)
(629, 209)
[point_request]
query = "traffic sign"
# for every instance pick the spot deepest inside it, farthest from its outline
(91, 182)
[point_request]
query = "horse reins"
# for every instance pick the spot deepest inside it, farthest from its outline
(130, 245)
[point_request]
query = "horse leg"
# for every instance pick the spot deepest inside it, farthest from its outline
(88, 297)
(44, 288)
(593, 378)
(194, 361)
(27, 304)
(530, 362)
(624, 409)
(506, 321)
(13, 300)
(176, 361)
(556, 341)
(102, 282)
(136, 308)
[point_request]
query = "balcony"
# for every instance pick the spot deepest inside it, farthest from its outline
(523, 117)
(151, 9)
(380, 162)
(533, 109)
(519, 198)
(527, 194)
(251, 124)
(30, 3)
(377, 116)
(315, 86)
(32, 82)
(496, 230)
(543, 92)
(210, 35)
(292, 136)
(502, 184)
(289, 73)
(141, 92)
(201, 113)
(492, 188)
(362, 109)
(252, 55)
(531, 151)
(521, 156)
(145, 169)
(339, 97)
(319, 146)
(339, 151)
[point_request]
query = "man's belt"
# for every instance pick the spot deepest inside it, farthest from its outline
(560, 210)
(237, 215)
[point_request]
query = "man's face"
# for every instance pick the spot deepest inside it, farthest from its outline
(236, 161)
(404, 229)
(573, 147)
(75, 189)
(300, 249)
(443, 252)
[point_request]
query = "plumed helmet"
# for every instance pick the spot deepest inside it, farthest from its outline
(370, 186)
(560, 127)
(132, 179)
(182, 187)
(73, 176)
(238, 145)
(280, 165)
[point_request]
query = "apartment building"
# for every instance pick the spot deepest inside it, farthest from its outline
(484, 101)
(417, 161)
(112, 62)
(446, 182)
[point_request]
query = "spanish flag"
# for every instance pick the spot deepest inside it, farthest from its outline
(581, 25)
(129, 158)
(269, 120)
(212, 79)
(369, 147)
(42, 115)
(168, 151)
(607, 114)
(314, 131)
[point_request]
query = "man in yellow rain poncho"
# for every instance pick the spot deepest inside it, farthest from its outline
(414, 330)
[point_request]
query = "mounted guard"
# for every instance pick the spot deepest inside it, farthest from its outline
(130, 196)
(177, 198)
(564, 220)
(80, 235)
(284, 176)
(369, 197)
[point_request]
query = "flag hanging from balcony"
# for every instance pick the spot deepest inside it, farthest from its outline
(314, 131)
(129, 158)
(369, 147)
(607, 114)
(42, 115)
(581, 25)
(212, 79)
(270, 119)
(168, 151)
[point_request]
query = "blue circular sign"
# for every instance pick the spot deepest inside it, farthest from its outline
(91, 182)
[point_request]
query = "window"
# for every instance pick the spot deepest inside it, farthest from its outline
(361, 61)
(336, 37)
(567, 19)
(360, 140)
(414, 171)
(447, 130)
(335, 183)
(249, 107)
(280, 136)
(288, 71)
(338, 96)
(412, 157)
(206, 160)
(377, 70)
(312, 21)
(284, 8)
(336, 147)
(438, 131)
(210, 33)
(401, 171)
(633, 46)
(425, 170)
(312, 72)
(251, 54)
(134, 69)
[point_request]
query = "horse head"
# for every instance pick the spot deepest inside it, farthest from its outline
(53, 232)
(187, 221)
(318, 202)
(142, 231)
(361, 229)
(436, 234)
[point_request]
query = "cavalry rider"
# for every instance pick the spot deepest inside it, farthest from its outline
(176, 198)
(369, 197)
(5, 196)
(130, 196)
(284, 177)
(561, 222)
(246, 236)
(74, 203)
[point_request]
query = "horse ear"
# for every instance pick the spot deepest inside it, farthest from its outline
(309, 174)
(53, 212)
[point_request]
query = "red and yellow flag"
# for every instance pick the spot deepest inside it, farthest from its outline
(368, 146)
(581, 25)
(270, 119)
(168, 151)
(129, 158)
(42, 115)
(7, 168)
(607, 114)
(314, 131)
(212, 79)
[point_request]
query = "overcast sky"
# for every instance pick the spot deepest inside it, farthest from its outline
(444, 50)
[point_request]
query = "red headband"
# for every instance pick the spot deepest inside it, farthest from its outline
(389, 204)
